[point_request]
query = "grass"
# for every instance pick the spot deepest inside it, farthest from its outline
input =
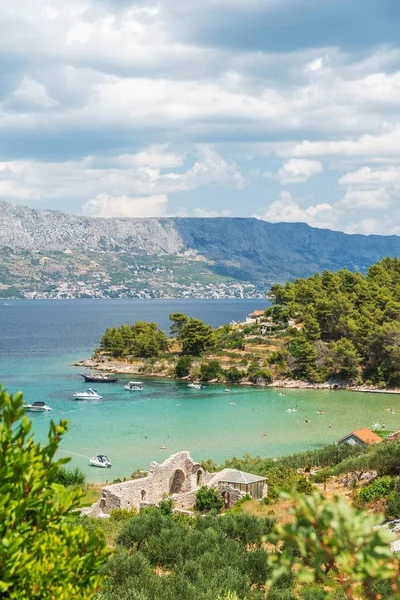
(91, 495)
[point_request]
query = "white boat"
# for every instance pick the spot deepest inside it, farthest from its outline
(89, 395)
(37, 407)
(134, 386)
(292, 410)
(101, 461)
(194, 386)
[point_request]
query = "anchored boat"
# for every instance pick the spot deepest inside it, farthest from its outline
(134, 386)
(37, 407)
(89, 395)
(100, 377)
(101, 460)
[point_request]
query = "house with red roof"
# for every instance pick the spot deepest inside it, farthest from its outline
(360, 436)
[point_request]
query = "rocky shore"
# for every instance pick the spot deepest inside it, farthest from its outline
(139, 368)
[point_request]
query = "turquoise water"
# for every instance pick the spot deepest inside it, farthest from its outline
(130, 427)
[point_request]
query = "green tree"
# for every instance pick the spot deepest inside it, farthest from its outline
(345, 358)
(179, 320)
(331, 543)
(305, 355)
(182, 367)
(208, 499)
(312, 330)
(196, 337)
(210, 370)
(43, 553)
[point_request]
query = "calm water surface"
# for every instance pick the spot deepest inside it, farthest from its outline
(41, 339)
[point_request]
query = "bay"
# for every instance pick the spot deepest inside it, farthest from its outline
(40, 340)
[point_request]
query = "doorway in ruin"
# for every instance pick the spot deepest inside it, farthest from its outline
(227, 499)
(176, 482)
(199, 477)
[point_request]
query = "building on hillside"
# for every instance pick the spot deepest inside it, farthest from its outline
(232, 479)
(360, 436)
(179, 477)
(255, 317)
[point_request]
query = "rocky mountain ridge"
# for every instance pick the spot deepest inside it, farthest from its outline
(241, 248)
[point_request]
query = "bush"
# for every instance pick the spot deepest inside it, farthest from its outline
(303, 485)
(394, 380)
(208, 499)
(233, 374)
(322, 476)
(69, 477)
(379, 488)
(210, 370)
(166, 505)
(392, 510)
(264, 374)
(123, 514)
(182, 367)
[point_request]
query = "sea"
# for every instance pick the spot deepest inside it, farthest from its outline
(40, 340)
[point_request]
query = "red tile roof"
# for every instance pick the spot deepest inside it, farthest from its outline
(364, 435)
(257, 313)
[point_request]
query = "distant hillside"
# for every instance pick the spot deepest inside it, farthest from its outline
(244, 250)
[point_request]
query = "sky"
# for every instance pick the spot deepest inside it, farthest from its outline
(283, 110)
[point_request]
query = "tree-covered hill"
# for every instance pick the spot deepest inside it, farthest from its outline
(345, 323)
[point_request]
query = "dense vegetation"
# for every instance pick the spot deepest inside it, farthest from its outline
(44, 553)
(351, 324)
(140, 339)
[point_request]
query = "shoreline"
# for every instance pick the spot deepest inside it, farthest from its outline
(121, 368)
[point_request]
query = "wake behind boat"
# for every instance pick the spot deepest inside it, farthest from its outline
(89, 395)
(37, 407)
(100, 377)
(134, 386)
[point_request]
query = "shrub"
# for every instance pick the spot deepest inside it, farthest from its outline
(322, 476)
(392, 510)
(377, 489)
(394, 380)
(123, 514)
(210, 370)
(304, 486)
(264, 374)
(166, 505)
(182, 367)
(208, 499)
(44, 553)
(69, 477)
(233, 374)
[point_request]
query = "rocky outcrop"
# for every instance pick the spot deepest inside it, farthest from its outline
(247, 249)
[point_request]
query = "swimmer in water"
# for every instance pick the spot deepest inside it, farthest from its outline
(265, 433)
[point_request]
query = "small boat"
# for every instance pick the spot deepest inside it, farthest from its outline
(227, 390)
(163, 448)
(281, 394)
(100, 377)
(100, 461)
(320, 412)
(194, 386)
(37, 407)
(89, 395)
(134, 386)
(232, 403)
(292, 410)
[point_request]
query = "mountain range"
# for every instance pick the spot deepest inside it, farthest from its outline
(241, 250)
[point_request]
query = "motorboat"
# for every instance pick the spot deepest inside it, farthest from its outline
(101, 460)
(292, 410)
(227, 390)
(320, 412)
(134, 386)
(194, 386)
(37, 407)
(89, 395)
(283, 395)
(100, 377)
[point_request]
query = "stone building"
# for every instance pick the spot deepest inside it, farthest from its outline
(180, 477)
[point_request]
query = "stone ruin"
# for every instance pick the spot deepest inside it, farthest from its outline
(178, 477)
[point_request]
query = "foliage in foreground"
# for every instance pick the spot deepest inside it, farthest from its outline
(43, 554)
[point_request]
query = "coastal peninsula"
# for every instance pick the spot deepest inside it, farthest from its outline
(332, 330)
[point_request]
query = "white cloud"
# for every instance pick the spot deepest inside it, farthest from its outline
(286, 209)
(298, 171)
(205, 213)
(147, 173)
(315, 65)
(125, 206)
(367, 177)
(368, 199)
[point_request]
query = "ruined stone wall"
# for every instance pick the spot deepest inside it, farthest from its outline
(178, 476)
